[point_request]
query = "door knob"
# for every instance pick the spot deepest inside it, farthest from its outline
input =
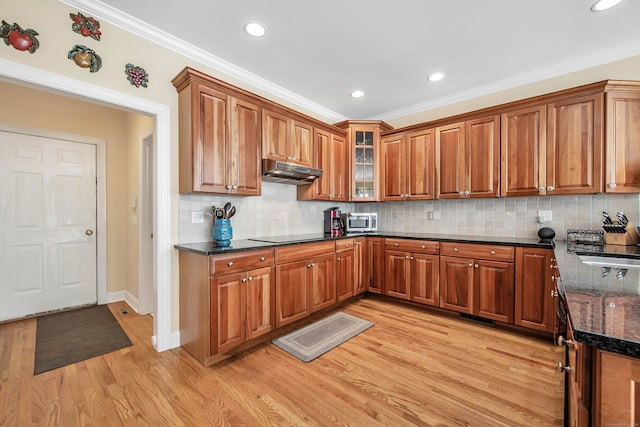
(88, 232)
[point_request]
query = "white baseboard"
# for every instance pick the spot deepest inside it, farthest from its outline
(123, 296)
(115, 296)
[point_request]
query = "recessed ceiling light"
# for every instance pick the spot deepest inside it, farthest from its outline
(435, 77)
(255, 29)
(601, 5)
(357, 94)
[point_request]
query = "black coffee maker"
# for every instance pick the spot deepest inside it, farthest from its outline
(333, 222)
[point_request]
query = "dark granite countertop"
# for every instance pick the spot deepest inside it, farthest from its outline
(210, 248)
(603, 298)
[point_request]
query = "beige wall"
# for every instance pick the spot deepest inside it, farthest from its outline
(43, 110)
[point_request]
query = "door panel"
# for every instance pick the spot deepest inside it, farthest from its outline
(47, 223)
(424, 279)
(456, 284)
(450, 152)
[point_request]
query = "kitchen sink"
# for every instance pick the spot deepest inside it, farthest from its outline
(606, 261)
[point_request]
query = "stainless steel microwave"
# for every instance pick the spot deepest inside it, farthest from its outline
(360, 222)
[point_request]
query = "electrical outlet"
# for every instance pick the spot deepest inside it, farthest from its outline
(544, 216)
(430, 215)
(197, 217)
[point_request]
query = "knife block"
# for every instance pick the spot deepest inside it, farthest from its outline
(628, 238)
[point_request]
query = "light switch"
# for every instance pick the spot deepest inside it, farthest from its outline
(133, 202)
(544, 216)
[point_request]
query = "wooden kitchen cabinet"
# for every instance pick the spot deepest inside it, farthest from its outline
(305, 280)
(622, 137)
(478, 279)
(345, 269)
(364, 158)
(331, 156)
(617, 385)
(579, 377)
(467, 158)
(219, 137)
(412, 270)
(360, 265)
(575, 145)
(408, 166)
(225, 300)
(535, 303)
(286, 138)
(375, 264)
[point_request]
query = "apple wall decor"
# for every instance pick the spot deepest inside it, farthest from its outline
(20, 39)
(85, 58)
(85, 25)
(137, 76)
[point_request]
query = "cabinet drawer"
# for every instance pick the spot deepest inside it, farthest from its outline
(304, 251)
(478, 251)
(240, 261)
(344, 245)
(407, 245)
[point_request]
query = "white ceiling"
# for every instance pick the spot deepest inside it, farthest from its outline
(323, 50)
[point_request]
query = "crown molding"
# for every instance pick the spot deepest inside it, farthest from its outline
(604, 57)
(148, 32)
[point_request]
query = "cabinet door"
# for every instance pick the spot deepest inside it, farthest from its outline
(419, 165)
(292, 292)
(394, 173)
(523, 152)
(424, 279)
(578, 382)
(456, 284)
(623, 134)
(259, 298)
(360, 265)
(535, 306)
(574, 145)
(345, 271)
(450, 161)
(482, 157)
(617, 388)
(365, 144)
(396, 267)
(375, 264)
(209, 138)
(228, 312)
(494, 288)
(245, 148)
(300, 149)
(323, 185)
(339, 168)
(323, 282)
(275, 135)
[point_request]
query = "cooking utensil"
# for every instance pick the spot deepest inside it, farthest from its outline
(606, 218)
(231, 212)
(227, 207)
(219, 213)
(622, 218)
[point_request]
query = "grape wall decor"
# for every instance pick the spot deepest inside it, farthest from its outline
(137, 76)
(85, 58)
(20, 39)
(85, 25)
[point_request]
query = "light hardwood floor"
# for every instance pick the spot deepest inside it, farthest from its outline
(411, 368)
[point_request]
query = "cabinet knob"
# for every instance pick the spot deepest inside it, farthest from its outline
(346, 245)
(230, 263)
(411, 258)
(612, 185)
(244, 280)
(541, 189)
(476, 266)
(492, 252)
(338, 259)
(251, 279)
(466, 193)
(470, 265)
(550, 188)
(455, 249)
(406, 257)
(234, 187)
(423, 247)
(562, 341)
(262, 258)
(309, 265)
(553, 266)
(228, 187)
(396, 245)
(564, 368)
(554, 293)
(460, 193)
(553, 279)
(289, 158)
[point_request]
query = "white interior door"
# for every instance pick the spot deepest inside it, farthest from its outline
(48, 235)
(147, 293)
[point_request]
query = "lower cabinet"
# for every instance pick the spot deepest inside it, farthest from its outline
(578, 382)
(411, 270)
(305, 280)
(360, 265)
(374, 272)
(478, 279)
(345, 269)
(535, 299)
(617, 385)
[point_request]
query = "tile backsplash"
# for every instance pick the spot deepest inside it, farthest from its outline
(278, 212)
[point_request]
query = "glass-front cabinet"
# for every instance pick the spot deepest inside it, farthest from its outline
(364, 158)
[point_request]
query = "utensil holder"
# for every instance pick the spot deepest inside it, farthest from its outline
(628, 238)
(222, 232)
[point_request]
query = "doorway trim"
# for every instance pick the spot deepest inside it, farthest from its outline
(146, 305)
(162, 338)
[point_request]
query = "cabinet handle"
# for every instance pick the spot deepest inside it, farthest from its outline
(466, 193)
(411, 258)
(564, 368)
(251, 279)
(612, 185)
(244, 280)
(234, 187)
(541, 189)
(230, 263)
(562, 341)
(289, 158)
(338, 259)
(309, 265)
(470, 265)
(553, 279)
(262, 258)
(423, 247)
(553, 266)
(550, 188)
(460, 193)
(477, 266)
(346, 245)
(406, 257)
(554, 293)
(396, 245)
(553, 260)
(492, 252)
(455, 249)
(228, 187)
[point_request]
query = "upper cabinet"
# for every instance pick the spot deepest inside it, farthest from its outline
(331, 156)
(408, 166)
(467, 158)
(287, 139)
(364, 158)
(220, 137)
(623, 138)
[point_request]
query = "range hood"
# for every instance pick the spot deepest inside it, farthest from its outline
(288, 173)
